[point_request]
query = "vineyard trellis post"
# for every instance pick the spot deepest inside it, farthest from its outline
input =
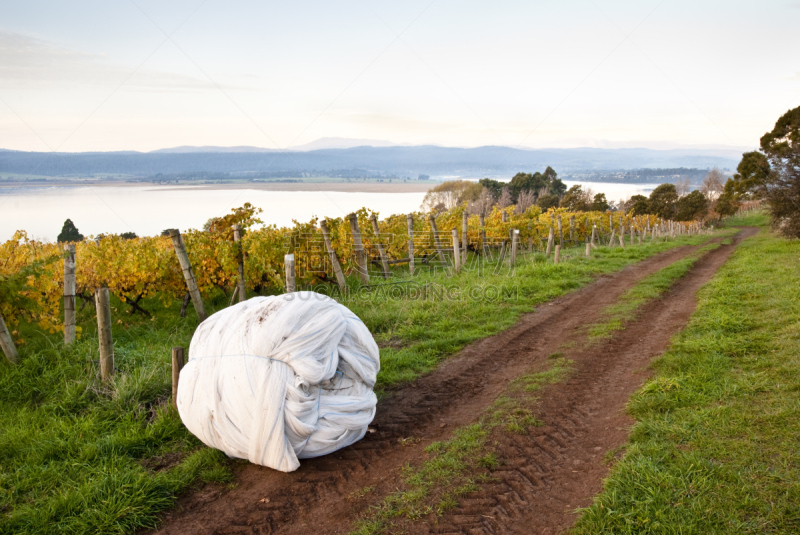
(514, 245)
(436, 240)
(482, 221)
(358, 247)
(456, 252)
(410, 220)
(288, 267)
(237, 237)
(560, 232)
(381, 250)
(7, 343)
(572, 229)
(464, 241)
(69, 294)
(594, 236)
(337, 268)
(621, 234)
(177, 366)
(557, 255)
(188, 274)
(550, 240)
(106, 343)
(588, 249)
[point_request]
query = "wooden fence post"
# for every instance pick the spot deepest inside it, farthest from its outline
(504, 215)
(456, 252)
(483, 233)
(594, 236)
(358, 247)
(410, 219)
(188, 275)
(560, 232)
(588, 250)
(237, 237)
(381, 251)
(436, 239)
(464, 234)
(177, 366)
(103, 306)
(550, 240)
(514, 245)
(7, 343)
(288, 267)
(572, 229)
(69, 294)
(337, 268)
(557, 255)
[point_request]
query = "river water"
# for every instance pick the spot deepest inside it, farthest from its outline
(147, 210)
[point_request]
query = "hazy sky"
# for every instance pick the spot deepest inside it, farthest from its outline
(147, 74)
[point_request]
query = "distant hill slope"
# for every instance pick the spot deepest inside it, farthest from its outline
(379, 161)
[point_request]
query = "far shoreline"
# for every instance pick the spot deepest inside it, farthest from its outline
(345, 187)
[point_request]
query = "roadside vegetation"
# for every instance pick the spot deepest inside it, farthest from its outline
(81, 456)
(714, 449)
(455, 468)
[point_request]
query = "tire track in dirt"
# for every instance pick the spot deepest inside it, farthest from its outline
(560, 466)
(318, 497)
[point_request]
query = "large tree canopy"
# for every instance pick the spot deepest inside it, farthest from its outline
(691, 206)
(752, 174)
(782, 191)
(662, 201)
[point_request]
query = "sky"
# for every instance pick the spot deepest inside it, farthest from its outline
(146, 74)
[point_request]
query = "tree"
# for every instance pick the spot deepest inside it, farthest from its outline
(576, 200)
(546, 202)
(691, 206)
(525, 200)
(752, 175)
(713, 184)
(483, 204)
(728, 203)
(450, 194)
(495, 187)
(600, 204)
(69, 232)
(506, 198)
(662, 201)
(781, 147)
(128, 235)
(638, 205)
(682, 186)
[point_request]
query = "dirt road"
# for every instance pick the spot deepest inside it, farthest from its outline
(545, 475)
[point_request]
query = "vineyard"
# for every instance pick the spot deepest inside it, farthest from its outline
(32, 274)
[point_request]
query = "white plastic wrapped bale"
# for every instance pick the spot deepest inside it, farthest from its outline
(281, 378)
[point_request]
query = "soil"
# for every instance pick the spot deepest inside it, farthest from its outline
(543, 476)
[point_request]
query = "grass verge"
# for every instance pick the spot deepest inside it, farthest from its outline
(715, 447)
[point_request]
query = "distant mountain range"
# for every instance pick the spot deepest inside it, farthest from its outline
(352, 158)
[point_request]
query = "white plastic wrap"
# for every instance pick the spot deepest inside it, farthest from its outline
(281, 378)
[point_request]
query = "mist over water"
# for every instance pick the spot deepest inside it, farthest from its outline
(147, 210)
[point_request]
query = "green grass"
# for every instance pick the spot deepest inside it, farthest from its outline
(715, 449)
(77, 456)
(453, 468)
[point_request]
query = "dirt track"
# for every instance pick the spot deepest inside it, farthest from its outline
(545, 475)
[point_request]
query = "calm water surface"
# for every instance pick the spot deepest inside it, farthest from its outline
(147, 210)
